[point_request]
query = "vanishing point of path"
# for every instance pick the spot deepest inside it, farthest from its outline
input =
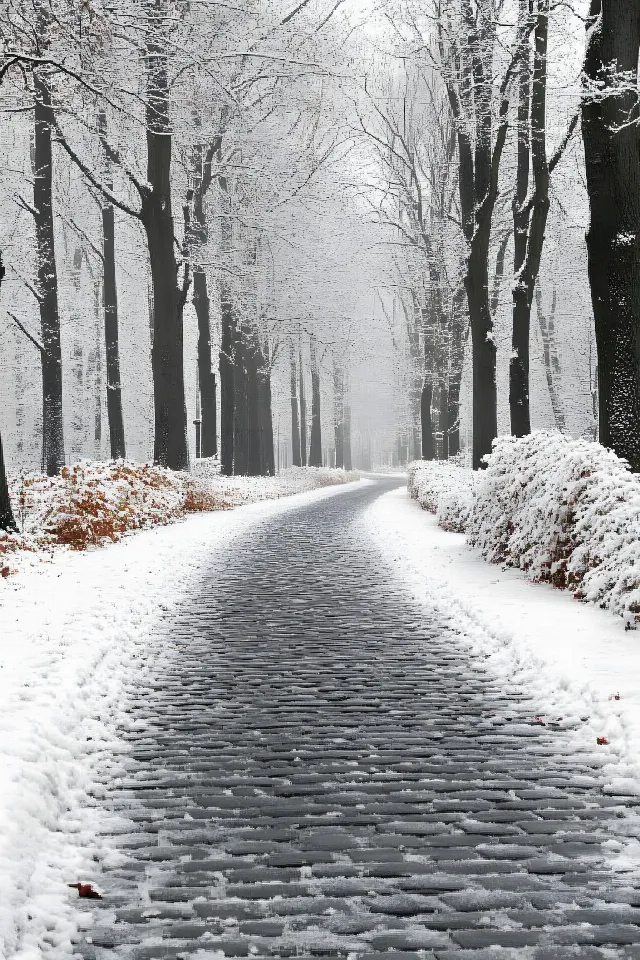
(319, 770)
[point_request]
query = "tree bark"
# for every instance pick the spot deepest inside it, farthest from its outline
(295, 423)
(206, 376)
(254, 451)
(519, 361)
(51, 356)
(227, 384)
(241, 414)
(428, 452)
(611, 142)
(303, 416)
(267, 455)
(111, 331)
(170, 441)
(348, 460)
(7, 521)
(338, 403)
(315, 449)
(551, 358)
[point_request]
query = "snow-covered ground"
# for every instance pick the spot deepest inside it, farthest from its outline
(72, 633)
(573, 658)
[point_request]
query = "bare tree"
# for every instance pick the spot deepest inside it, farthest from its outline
(611, 137)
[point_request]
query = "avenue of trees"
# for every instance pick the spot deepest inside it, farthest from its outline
(214, 218)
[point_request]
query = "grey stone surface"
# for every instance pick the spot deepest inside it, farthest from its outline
(325, 771)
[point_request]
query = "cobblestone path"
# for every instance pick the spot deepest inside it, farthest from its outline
(319, 771)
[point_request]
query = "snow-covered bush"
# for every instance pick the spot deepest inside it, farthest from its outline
(444, 488)
(94, 503)
(566, 511)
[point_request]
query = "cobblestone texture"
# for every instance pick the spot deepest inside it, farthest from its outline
(317, 769)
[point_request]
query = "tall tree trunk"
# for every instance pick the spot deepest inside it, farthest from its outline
(519, 361)
(443, 417)
(348, 461)
(303, 417)
(338, 413)
(254, 364)
(551, 358)
(295, 423)
(201, 300)
(315, 448)
(7, 521)
(111, 331)
(612, 155)
(206, 376)
(51, 356)
(241, 416)
(79, 411)
(485, 418)
(457, 328)
(428, 451)
(227, 378)
(267, 455)
(170, 438)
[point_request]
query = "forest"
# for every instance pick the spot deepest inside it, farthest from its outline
(341, 234)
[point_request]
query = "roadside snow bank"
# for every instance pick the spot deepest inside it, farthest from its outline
(92, 503)
(565, 511)
(74, 633)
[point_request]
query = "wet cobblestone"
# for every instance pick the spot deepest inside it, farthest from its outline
(318, 769)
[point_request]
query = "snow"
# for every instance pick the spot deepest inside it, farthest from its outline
(572, 659)
(95, 503)
(73, 631)
(565, 511)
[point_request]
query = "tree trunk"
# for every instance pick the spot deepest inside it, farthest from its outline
(206, 377)
(315, 449)
(7, 521)
(111, 332)
(458, 326)
(267, 456)
(170, 438)
(521, 321)
(227, 385)
(428, 452)
(338, 402)
(254, 363)
(348, 462)
(303, 417)
(51, 356)
(295, 423)
(612, 155)
(241, 415)
(78, 399)
(443, 417)
(551, 358)
(485, 420)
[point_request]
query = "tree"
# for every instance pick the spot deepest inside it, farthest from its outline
(111, 334)
(295, 421)
(467, 39)
(611, 138)
(315, 449)
(530, 212)
(6, 514)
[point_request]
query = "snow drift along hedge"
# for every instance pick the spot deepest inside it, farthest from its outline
(444, 488)
(94, 503)
(567, 511)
